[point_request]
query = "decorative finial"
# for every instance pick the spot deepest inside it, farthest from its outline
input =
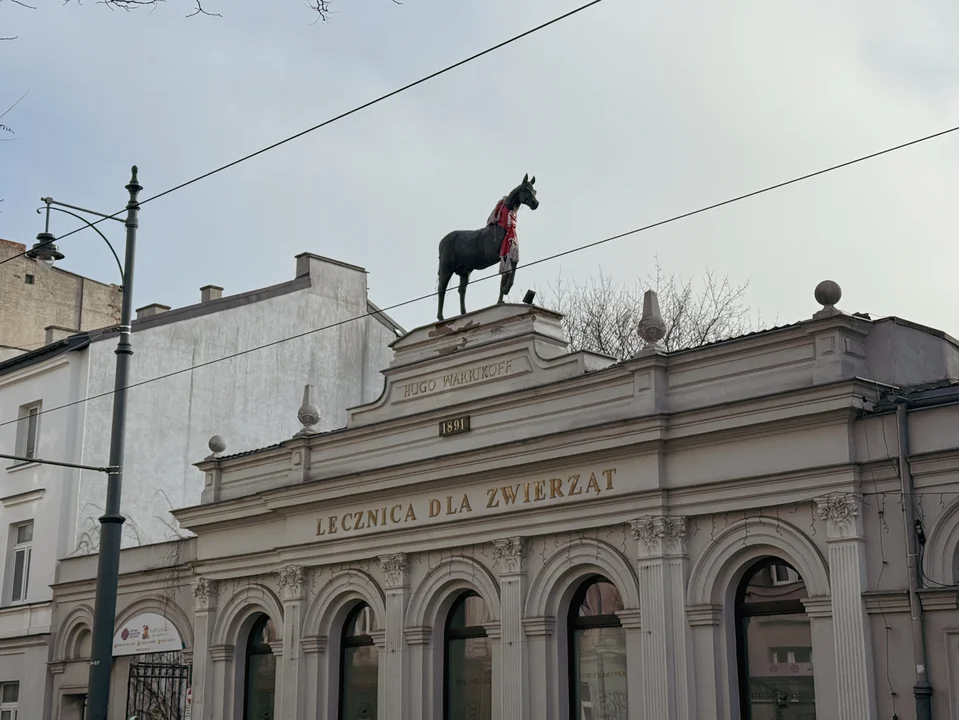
(217, 445)
(309, 413)
(828, 294)
(651, 328)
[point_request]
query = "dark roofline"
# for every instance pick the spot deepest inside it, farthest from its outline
(67, 344)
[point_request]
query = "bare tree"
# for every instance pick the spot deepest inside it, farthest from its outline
(602, 316)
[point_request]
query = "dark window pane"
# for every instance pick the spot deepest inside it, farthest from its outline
(25, 533)
(775, 646)
(599, 673)
(469, 612)
(19, 559)
(469, 690)
(11, 692)
(360, 622)
(360, 671)
(601, 598)
(260, 686)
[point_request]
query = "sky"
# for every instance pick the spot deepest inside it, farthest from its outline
(627, 113)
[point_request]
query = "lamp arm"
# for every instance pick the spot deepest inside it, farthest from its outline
(94, 227)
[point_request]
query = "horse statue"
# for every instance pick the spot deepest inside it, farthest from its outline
(463, 251)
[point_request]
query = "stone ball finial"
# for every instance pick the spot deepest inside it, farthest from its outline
(217, 445)
(309, 412)
(828, 293)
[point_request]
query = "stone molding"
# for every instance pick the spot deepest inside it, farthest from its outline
(291, 579)
(841, 513)
(704, 614)
(510, 554)
(396, 568)
(534, 626)
(818, 607)
(315, 645)
(630, 619)
(493, 630)
(204, 594)
(659, 535)
(379, 638)
(222, 653)
(418, 635)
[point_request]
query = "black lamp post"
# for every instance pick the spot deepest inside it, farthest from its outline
(111, 524)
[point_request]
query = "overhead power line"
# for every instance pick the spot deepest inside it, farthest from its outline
(634, 231)
(346, 114)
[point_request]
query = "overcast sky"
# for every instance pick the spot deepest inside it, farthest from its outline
(628, 113)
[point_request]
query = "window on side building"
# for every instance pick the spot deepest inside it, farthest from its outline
(22, 536)
(260, 671)
(28, 430)
(597, 653)
(774, 644)
(9, 696)
(359, 666)
(468, 661)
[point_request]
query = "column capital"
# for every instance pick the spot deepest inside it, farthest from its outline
(818, 607)
(842, 514)
(704, 614)
(379, 638)
(539, 625)
(221, 653)
(187, 655)
(291, 579)
(204, 594)
(314, 644)
(659, 535)
(396, 568)
(418, 635)
(510, 555)
(277, 648)
(630, 619)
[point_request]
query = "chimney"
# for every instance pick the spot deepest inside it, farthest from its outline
(151, 310)
(210, 292)
(56, 332)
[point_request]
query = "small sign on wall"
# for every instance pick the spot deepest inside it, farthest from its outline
(146, 633)
(455, 426)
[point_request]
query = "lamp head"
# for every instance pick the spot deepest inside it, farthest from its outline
(45, 250)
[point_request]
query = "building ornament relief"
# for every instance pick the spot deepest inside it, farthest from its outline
(291, 582)
(395, 567)
(204, 594)
(510, 553)
(841, 513)
(660, 534)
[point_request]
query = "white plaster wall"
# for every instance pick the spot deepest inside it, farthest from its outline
(27, 665)
(252, 400)
(43, 493)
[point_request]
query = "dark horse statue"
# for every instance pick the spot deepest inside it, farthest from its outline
(463, 251)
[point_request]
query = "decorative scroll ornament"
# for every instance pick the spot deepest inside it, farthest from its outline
(204, 594)
(660, 534)
(395, 567)
(511, 552)
(291, 581)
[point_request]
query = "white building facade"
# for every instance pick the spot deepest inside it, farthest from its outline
(512, 531)
(50, 512)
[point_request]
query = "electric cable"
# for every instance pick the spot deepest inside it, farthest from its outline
(634, 231)
(342, 115)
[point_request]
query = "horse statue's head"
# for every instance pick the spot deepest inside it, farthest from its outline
(526, 193)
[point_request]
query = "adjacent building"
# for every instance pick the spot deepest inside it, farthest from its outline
(56, 404)
(511, 530)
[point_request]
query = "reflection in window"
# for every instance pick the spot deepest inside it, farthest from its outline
(774, 645)
(468, 691)
(359, 666)
(597, 648)
(260, 671)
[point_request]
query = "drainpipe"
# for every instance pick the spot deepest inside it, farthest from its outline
(922, 690)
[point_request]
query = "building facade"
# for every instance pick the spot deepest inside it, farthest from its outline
(50, 512)
(40, 304)
(515, 531)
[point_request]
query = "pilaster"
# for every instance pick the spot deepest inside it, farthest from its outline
(841, 512)
(509, 555)
(291, 687)
(394, 663)
(204, 618)
(661, 564)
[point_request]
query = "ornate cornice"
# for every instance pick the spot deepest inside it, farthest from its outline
(659, 535)
(510, 554)
(395, 567)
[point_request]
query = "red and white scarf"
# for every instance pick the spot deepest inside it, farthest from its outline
(509, 250)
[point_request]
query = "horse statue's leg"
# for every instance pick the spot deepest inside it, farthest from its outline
(444, 281)
(464, 281)
(505, 284)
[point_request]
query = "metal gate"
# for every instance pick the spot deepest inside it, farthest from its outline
(157, 687)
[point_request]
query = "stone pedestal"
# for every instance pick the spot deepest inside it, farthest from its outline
(394, 660)
(855, 684)
(661, 565)
(510, 557)
(290, 664)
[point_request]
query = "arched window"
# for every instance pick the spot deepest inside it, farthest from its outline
(260, 671)
(468, 662)
(774, 644)
(597, 653)
(359, 666)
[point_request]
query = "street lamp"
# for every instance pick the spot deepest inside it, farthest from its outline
(111, 524)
